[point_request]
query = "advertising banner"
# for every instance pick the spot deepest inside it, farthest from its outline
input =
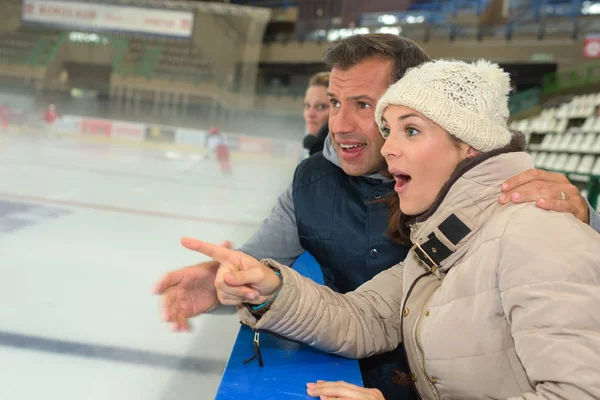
(160, 134)
(96, 127)
(68, 124)
(591, 46)
(255, 144)
(128, 130)
(108, 17)
(191, 137)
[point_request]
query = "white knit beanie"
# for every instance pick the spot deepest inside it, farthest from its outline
(469, 100)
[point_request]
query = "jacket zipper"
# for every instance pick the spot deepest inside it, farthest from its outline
(253, 327)
(408, 293)
(256, 343)
(420, 347)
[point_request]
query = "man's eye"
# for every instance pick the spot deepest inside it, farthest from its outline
(363, 105)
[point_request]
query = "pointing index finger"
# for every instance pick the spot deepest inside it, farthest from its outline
(220, 254)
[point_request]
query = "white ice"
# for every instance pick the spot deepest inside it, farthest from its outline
(82, 280)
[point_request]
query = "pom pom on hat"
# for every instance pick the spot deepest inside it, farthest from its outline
(495, 74)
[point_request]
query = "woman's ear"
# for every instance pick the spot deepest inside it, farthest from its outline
(471, 152)
(467, 151)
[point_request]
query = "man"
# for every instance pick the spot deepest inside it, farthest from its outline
(331, 208)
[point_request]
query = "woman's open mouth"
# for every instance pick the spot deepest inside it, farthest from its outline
(402, 180)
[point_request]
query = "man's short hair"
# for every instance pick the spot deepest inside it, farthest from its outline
(403, 52)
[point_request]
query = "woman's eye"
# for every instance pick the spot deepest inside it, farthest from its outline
(385, 131)
(411, 131)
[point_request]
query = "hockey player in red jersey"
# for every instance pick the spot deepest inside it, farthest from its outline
(215, 143)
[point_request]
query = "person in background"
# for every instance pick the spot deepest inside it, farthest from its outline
(51, 115)
(216, 144)
(222, 152)
(316, 113)
(5, 114)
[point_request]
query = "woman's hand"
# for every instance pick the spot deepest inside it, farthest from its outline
(342, 391)
(240, 278)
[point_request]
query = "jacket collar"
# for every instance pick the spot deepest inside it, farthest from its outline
(331, 156)
(440, 236)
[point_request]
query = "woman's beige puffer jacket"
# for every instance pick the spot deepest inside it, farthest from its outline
(499, 302)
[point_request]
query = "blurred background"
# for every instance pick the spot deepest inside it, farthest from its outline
(244, 65)
(126, 124)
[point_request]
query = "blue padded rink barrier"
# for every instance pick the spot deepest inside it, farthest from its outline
(288, 366)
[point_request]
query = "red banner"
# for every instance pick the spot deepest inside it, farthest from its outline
(96, 127)
(126, 130)
(591, 46)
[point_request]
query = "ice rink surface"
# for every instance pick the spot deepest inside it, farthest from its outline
(86, 227)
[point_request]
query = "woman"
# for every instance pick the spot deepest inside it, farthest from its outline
(316, 112)
(492, 301)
